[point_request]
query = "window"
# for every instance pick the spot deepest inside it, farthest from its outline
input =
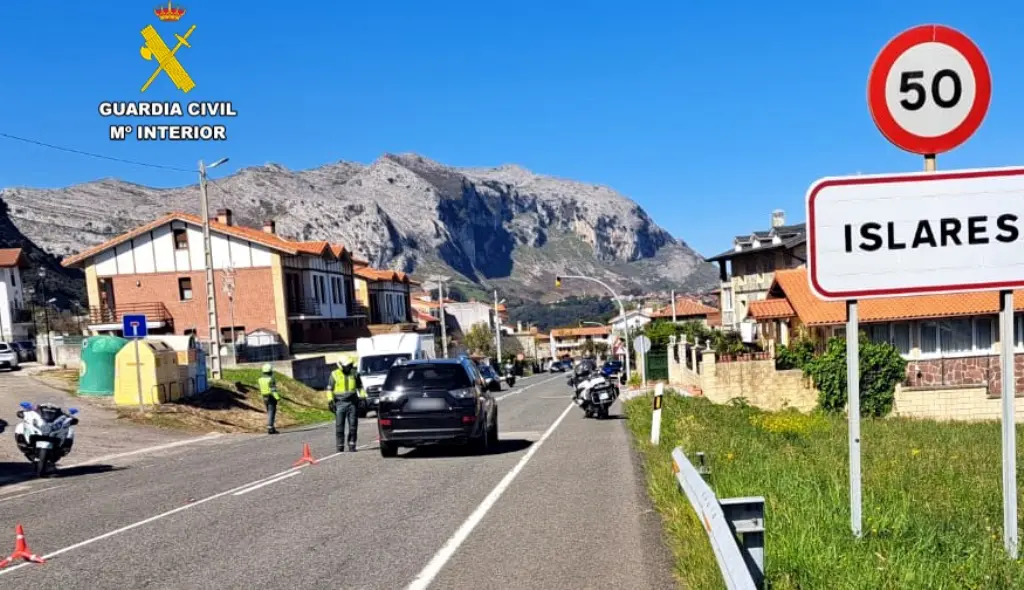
(726, 299)
(769, 264)
(1018, 330)
(956, 336)
(323, 290)
(984, 332)
(901, 337)
(185, 289)
(428, 376)
(180, 239)
(959, 336)
(929, 338)
(336, 289)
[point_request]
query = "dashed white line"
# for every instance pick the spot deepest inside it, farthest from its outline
(160, 516)
(266, 483)
(446, 552)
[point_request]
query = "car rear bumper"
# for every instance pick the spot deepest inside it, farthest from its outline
(426, 436)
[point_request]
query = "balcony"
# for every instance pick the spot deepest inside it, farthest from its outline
(303, 306)
(154, 312)
(752, 283)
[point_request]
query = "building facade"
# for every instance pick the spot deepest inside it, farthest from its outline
(387, 294)
(572, 342)
(15, 318)
(748, 268)
(302, 291)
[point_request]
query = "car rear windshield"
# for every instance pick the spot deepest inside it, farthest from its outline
(4, 347)
(427, 377)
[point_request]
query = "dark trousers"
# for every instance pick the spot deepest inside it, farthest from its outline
(271, 403)
(345, 412)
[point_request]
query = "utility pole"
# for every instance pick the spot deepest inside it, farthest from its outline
(497, 326)
(673, 306)
(211, 293)
(440, 300)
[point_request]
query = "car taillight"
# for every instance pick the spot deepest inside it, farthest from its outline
(462, 393)
(385, 422)
(468, 419)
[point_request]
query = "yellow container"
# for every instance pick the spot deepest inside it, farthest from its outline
(155, 368)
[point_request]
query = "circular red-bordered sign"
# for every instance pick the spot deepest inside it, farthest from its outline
(929, 89)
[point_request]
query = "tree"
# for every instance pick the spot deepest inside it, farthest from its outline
(480, 340)
(601, 349)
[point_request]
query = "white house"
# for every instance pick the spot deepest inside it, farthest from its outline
(15, 319)
(633, 320)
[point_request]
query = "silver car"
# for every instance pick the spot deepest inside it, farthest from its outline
(8, 357)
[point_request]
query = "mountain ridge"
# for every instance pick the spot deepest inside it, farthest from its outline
(500, 227)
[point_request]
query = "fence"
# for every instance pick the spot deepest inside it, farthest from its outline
(735, 526)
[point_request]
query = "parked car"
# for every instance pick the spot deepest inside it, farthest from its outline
(561, 366)
(26, 351)
(435, 401)
(611, 368)
(491, 378)
(8, 357)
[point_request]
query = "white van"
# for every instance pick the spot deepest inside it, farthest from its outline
(378, 353)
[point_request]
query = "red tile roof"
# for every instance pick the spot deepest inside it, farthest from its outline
(588, 331)
(10, 257)
(376, 274)
(258, 236)
(768, 309)
(685, 307)
(791, 286)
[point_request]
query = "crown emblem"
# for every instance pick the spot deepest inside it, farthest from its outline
(169, 13)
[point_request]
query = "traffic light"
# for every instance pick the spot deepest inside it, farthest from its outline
(558, 282)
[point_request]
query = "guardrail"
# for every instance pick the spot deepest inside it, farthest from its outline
(735, 526)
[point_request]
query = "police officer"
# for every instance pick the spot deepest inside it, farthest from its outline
(268, 389)
(343, 393)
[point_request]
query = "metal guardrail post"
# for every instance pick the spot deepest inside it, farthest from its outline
(741, 561)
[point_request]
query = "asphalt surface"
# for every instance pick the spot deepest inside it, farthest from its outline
(560, 504)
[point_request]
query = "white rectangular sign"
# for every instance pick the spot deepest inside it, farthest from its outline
(914, 234)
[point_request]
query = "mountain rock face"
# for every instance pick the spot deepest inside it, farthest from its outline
(502, 227)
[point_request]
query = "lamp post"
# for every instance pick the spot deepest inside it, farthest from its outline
(46, 314)
(622, 309)
(211, 293)
(440, 280)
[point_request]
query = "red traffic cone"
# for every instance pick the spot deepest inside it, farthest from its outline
(307, 456)
(21, 550)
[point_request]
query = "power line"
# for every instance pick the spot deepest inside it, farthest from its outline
(92, 155)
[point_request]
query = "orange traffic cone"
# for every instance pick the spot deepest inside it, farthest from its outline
(21, 550)
(307, 456)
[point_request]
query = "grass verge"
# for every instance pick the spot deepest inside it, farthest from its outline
(932, 497)
(233, 404)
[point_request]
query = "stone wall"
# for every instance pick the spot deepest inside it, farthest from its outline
(970, 371)
(759, 383)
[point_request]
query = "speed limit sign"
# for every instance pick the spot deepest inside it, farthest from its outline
(929, 89)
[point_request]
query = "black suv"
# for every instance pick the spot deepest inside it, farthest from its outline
(434, 401)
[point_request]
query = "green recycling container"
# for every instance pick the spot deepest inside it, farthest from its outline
(96, 373)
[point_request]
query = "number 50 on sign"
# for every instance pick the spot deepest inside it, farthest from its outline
(929, 89)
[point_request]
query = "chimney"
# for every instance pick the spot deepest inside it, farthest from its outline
(778, 218)
(224, 216)
(269, 226)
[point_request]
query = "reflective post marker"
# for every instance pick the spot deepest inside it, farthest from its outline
(1006, 345)
(659, 390)
(853, 408)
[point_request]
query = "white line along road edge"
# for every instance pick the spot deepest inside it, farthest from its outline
(180, 443)
(446, 552)
(266, 483)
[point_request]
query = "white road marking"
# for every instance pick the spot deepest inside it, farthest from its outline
(172, 445)
(522, 389)
(266, 483)
(446, 552)
(160, 516)
(5, 498)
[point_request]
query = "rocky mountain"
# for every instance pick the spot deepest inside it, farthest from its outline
(503, 227)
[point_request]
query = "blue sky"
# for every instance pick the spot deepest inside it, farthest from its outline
(708, 114)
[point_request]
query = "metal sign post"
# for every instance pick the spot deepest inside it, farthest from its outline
(135, 328)
(642, 344)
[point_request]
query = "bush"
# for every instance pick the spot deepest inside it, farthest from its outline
(794, 356)
(881, 368)
(634, 380)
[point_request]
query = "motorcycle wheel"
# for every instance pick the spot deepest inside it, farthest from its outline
(602, 413)
(42, 458)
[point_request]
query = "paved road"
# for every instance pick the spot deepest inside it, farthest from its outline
(559, 505)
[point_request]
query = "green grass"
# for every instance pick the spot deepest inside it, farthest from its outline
(299, 404)
(932, 497)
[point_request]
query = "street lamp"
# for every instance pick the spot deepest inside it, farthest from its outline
(622, 309)
(46, 314)
(211, 293)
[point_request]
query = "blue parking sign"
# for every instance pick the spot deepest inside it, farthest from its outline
(134, 326)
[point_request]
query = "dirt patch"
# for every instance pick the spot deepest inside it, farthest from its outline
(234, 405)
(65, 380)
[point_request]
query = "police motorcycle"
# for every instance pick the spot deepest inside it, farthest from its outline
(595, 394)
(510, 374)
(45, 434)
